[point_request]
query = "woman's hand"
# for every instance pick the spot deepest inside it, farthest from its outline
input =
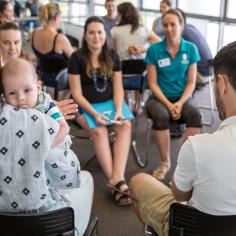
(67, 108)
(177, 110)
(118, 116)
(133, 50)
(101, 119)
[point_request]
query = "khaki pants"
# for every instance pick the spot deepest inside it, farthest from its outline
(154, 200)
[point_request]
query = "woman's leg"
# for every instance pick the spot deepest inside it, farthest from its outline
(192, 117)
(121, 148)
(160, 117)
(101, 146)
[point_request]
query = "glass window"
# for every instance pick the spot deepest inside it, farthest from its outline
(78, 10)
(212, 36)
(135, 2)
(210, 30)
(229, 34)
(151, 4)
(231, 9)
(64, 7)
(148, 18)
(99, 10)
(79, 1)
(102, 2)
(201, 7)
(78, 20)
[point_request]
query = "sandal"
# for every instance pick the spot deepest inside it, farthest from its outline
(118, 195)
(161, 171)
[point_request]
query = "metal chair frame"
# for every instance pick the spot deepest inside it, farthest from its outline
(129, 73)
(210, 107)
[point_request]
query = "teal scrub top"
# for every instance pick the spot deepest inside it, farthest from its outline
(172, 72)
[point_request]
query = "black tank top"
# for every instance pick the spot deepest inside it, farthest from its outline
(50, 63)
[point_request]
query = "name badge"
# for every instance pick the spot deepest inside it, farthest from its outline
(164, 62)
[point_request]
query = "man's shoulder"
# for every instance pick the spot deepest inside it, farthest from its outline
(203, 141)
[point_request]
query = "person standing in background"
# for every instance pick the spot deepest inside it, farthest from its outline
(109, 19)
(157, 27)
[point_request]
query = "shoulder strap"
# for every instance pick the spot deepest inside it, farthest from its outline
(32, 40)
(54, 42)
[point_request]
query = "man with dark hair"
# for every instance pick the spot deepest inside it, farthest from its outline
(192, 34)
(109, 19)
(206, 162)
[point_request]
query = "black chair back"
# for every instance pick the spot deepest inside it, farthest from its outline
(133, 66)
(62, 82)
(135, 71)
(55, 223)
(187, 221)
(73, 41)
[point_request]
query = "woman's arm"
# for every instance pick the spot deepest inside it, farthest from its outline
(118, 92)
(152, 81)
(191, 80)
(65, 45)
(76, 90)
(154, 25)
(152, 38)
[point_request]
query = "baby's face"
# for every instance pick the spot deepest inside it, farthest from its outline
(21, 89)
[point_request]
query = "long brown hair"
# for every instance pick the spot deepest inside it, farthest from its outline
(104, 58)
(129, 15)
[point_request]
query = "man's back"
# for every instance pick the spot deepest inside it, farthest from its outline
(207, 163)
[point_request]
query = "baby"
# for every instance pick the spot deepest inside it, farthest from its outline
(20, 87)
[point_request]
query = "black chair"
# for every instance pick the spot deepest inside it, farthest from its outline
(58, 222)
(188, 221)
(73, 41)
(62, 82)
(54, 223)
(185, 220)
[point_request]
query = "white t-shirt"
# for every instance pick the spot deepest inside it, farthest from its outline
(207, 164)
(124, 38)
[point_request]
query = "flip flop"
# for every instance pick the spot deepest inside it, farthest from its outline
(161, 171)
(125, 194)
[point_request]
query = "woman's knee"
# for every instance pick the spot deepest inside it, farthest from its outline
(126, 126)
(99, 132)
(193, 117)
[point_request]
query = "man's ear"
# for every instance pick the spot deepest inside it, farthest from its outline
(223, 83)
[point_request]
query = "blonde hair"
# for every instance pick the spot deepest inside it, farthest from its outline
(48, 12)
